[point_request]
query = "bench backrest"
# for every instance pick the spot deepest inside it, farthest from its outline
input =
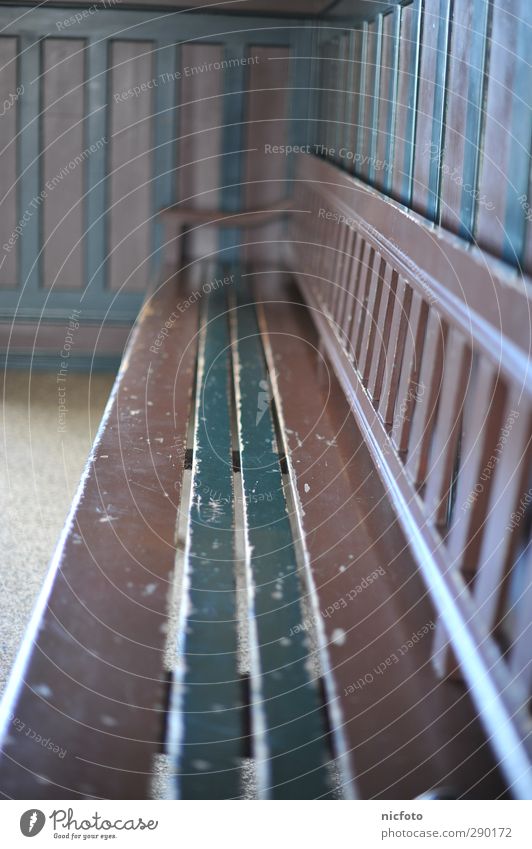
(431, 342)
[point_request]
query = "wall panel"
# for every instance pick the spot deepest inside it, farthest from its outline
(63, 162)
(371, 105)
(361, 99)
(504, 172)
(8, 170)
(431, 106)
(387, 99)
(406, 102)
(354, 112)
(130, 165)
(200, 134)
(151, 154)
(266, 114)
(461, 152)
(439, 102)
(343, 76)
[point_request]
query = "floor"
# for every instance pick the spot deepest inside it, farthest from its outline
(43, 450)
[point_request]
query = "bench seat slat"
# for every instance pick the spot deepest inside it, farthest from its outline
(291, 747)
(398, 731)
(206, 707)
(90, 675)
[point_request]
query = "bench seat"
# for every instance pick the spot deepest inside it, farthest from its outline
(232, 588)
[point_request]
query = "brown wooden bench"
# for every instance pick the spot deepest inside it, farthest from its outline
(298, 551)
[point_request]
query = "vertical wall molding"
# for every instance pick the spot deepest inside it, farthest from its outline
(372, 152)
(475, 109)
(361, 97)
(10, 92)
(29, 243)
(232, 164)
(165, 141)
(96, 199)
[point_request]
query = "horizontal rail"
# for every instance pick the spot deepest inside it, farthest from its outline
(189, 216)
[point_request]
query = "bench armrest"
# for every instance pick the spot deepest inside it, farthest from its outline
(187, 216)
(179, 218)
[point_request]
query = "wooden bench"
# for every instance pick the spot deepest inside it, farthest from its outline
(280, 570)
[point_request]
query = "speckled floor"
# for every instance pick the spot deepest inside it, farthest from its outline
(41, 462)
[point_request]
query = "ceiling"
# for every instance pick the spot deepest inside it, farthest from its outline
(364, 9)
(347, 9)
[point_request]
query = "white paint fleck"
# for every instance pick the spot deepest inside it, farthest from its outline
(201, 765)
(307, 488)
(338, 637)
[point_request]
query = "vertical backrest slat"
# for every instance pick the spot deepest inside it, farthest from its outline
(338, 270)
(382, 331)
(394, 350)
(361, 301)
(343, 280)
(352, 286)
(456, 373)
(521, 652)
(480, 436)
(424, 414)
(480, 432)
(322, 250)
(409, 389)
(372, 316)
(508, 484)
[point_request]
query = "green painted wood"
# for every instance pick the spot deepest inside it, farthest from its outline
(290, 741)
(206, 728)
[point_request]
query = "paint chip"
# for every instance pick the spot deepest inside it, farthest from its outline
(338, 637)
